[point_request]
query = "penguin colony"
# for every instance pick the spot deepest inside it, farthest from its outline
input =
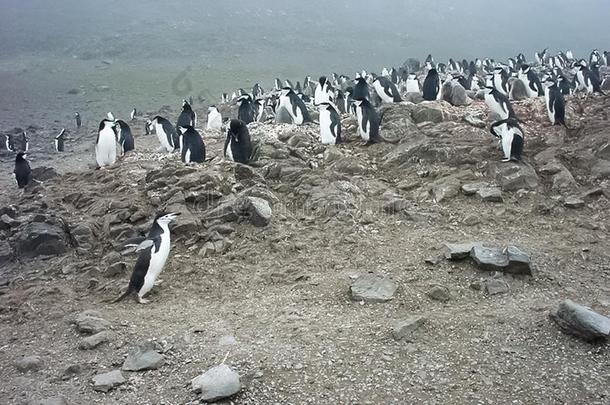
(552, 77)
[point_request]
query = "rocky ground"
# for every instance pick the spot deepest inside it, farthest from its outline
(267, 274)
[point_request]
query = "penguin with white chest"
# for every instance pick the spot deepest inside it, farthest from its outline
(22, 171)
(294, 106)
(238, 145)
(330, 124)
(386, 90)
(412, 83)
(214, 118)
(166, 133)
(555, 103)
(512, 138)
(192, 147)
(105, 144)
(500, 80)
(368, 121)
(154, 252)
(498, 103)
(59, 141)
(323, 92)
(531, 81)
(126, 140)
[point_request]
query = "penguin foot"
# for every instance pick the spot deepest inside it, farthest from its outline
(158, 282)
(506, 160)
(142, 300)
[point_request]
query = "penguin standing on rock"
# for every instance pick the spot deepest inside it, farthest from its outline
(498, 103)
(192, 148)
(412, 83)
(23, 173)
(125, 136)
(500, 80)
(238, 146)
(386, 90)
(330, 124)
(214, 118)
(294, 105)
(78, 120)
(555, 103)
(154, 252)
(246, 111)
(187, 117)
(432, 86)
(512, 138)
(59, 141)
(105, 144)
(166, 133)
(531, 81)
(134, 112)
(368, 121)
(323, 93)
(361, 89)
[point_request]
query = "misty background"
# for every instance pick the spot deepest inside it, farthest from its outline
(97, 56)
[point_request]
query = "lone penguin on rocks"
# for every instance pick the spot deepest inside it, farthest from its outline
(23, 173)
(105, 144)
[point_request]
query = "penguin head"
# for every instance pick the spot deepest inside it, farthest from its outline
(165, 218)
(212, 108)
(322, 80)
(21, 156)
(183, 129)
(548, 82)
(110, 116)
(107, 123)
(235, 126)
(186, 106)
(286, 91)
(61, 134)
(489, 89)
(412, 76)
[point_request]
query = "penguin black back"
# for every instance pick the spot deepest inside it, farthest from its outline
(361, 90)
(431, 86)
(59, 141)
(187, 117)
(238, 139)
(126, 139)
(192, 145)
(22, 171)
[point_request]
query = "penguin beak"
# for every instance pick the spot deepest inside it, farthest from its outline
(173, 215)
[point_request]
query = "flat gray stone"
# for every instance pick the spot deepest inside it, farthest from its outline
(574, 202)
(581, 321)
(49, 401)
(439, 293)
(459, 251)
(143, 358)
(508, 260)
(490, 194)
(472, 188)
(496, 286)
(106, 381)
(217, 383)
(93, 341)
(372, 288)
(405, 328)
(28, 363)
(260, 212)
(91, 322)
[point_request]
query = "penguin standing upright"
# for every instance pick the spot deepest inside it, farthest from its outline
(294, 106)
(541, 56)
(9, 144)
(330, 124)
(555, 103)
(500, 80)
(59, 141)
(166, 133)
(78, 119)
(340, 102)
(432, 85)
(498, 103)
(246, 111)
(361, 89)
(412, 83)
(23, 173)
(512, 138)
(564, 85)
(386, 90)
(126, 141)
(192, 148)
(349, 100)
(238, 143)
(585, 80)
(323, 92)
(368, 121)
(188, 117)
(214, 118)
(133, 114)
(154, 252)
(531, 81)
(105, 144)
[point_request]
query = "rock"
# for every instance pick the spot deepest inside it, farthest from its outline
(107, 381)
(508, 260)
(40, 238)
(518, 91)
(93, 341)
(396, 123)
(143, 358)
(490, 194)
(115, 269)
(332, 154)
(405, 328)
(472, 188)
(414, 98)
(349, 165)
(459, 251)
(427, 113)
(513, 176)
(28, 363)
(396, 206)
(44, 173)
(6, 253)
(581, 321)
(601, 169)
(246, 174)
(439, 293)
(412, 65)
(573, 202)
(91, 322)
(6, 222)
(49, 401)
(445, 190)
(217, 383)
(372, 288)
(564, 181)
(256, 209)
(474, 121)
(496, 286)
(225, 212)
(459, 96)
(471, 220)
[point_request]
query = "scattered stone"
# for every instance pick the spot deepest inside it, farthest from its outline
(574, 202)
(6, 253)
(372, 288)
(28, 363)
(459, 251)
(107, 381)
(49, 401)
(563, 181)
(601, 169)
(471, 220)
(93, 341)
(445, 191)
(490, 194)
(459, 96)
(405, 328)
(508, 260)
(40, 238)
(91, 322)
(581, 321)
(472, 188)
(496, 286)
(439, 293)
(427, 113)
(513, 176)
(257, 209)
(474, 121)
(143, 358)
(217, 383)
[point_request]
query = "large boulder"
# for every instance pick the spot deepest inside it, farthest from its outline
(459, 97)
(397, 124)
(42, 239)
(513, 176)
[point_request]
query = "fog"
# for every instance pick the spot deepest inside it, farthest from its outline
(149, 45)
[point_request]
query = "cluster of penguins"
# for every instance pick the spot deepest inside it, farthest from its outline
(551, 77)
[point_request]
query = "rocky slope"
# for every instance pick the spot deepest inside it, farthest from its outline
(264, 257)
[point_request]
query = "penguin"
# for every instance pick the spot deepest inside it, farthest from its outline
(340, 102)
(23, 173)
(432, 86)
(126, 141)
(78, 119)
(59, 141)
(110, 116)
(154, 252)
(25, 142)
(595, 57)
(330, 124)
(349, 100)
(105, 144)
(9, 143)
(277, 85)
(498, 103)
(394, 76)
(541, 57)
(294, 105)
(555, 103)
(147, 127)
(192, 147)
(214, 118)
(429, 60)
(166, 133)
(386, 90)
(257, 91)
(307, 86)
(361, 89)
(564, 85)
(187, 117)
(225, 98)
(133, 114)
(512, 138)
(246, 111)
(259, 108)
(531, 81)
(412, 83)
(500, 80)
(238, 142)
(586, 81)
(298, 89)
(368, 121)
(323, 92)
